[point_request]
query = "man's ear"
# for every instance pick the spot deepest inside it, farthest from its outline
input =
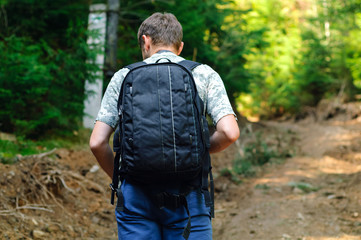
(147, 42)
(180, 48)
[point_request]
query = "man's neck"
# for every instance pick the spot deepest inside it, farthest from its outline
(153, 50)
(164, 48)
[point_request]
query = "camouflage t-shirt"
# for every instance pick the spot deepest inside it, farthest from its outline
(209, 85)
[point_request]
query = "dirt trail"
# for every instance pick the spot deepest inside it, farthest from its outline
(314, 195)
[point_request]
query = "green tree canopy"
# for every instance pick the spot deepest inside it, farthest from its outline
(274, 56)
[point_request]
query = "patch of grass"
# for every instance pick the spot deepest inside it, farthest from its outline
(10, 150)
(257, 153)
(262, 186)
(226, 172)
(305, 187)
(243, 167)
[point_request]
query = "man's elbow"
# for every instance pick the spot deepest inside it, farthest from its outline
(95, 144)
(232, 135)
(228, 127)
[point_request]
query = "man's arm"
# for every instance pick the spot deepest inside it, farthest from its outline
(227, 132)
(99, 144)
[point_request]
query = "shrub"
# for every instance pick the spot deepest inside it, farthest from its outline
(44, 67)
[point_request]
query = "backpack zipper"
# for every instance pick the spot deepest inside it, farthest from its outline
(160, 118)
(194, 124)
(171, 108)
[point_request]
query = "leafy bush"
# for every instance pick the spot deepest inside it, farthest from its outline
(43, 88)
(43, 67)
(313, 77)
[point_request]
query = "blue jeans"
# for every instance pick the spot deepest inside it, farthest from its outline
(141, 219)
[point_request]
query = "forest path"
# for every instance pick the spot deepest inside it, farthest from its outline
(313, 195)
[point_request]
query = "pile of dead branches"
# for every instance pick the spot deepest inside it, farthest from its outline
(39, 183)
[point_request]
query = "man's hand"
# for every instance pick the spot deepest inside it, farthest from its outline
(99, 144)
(227, 132)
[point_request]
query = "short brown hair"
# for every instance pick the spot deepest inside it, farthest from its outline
(164, 29)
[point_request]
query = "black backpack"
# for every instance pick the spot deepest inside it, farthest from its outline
(163, 133)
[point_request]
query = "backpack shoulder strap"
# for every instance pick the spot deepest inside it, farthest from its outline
(190, 65)
(207, 169)
(135, 65)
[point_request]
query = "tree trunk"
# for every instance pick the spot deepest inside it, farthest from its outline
(94, 90)
(111, 47)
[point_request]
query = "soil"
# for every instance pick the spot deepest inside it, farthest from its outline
(313, 194)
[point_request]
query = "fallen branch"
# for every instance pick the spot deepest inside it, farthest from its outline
(37, 156)
(65, 186)
(47, 192)
(89, 184)
(32, 207)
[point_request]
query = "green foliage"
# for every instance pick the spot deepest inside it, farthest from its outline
(22, 75)
(12, 150)
(353, 51)
(256, 153)
(271, 62)
(262, 186)
(243, 167)
(274, 56)
(309, 51)
(230, 174)
(313, 78)
(231, 61)
(201, 22)
(43, 67)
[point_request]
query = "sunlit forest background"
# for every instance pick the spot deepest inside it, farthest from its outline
(292, 70)
(274, 56)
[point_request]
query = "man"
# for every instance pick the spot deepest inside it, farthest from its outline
(160, 37)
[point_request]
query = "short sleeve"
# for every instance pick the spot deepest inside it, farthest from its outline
(108, 112)
(212, 91)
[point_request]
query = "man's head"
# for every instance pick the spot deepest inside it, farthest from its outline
(160, 31)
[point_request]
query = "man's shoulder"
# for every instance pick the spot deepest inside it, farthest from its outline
(119, 76)
(204, 69)
(121, 73)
